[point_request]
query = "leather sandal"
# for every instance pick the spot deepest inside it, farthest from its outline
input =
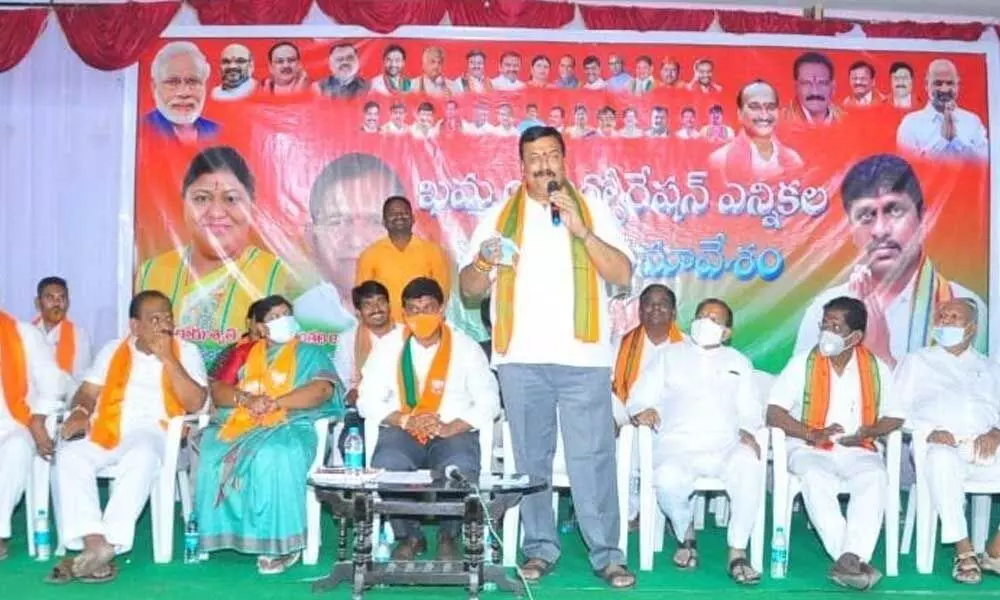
(617, 576)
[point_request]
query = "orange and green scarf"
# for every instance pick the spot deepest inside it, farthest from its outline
(260, 379)
(66, 348)
(629, 360)
(510, 224)
(106, 429)
(14, 370)
(816, 396)
(931, 291)
(432, 393)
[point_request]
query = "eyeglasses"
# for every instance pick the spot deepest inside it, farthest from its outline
(188, 82)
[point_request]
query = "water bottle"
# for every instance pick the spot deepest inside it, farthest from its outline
(43, 542)
(354, 452)
(779, 554)
(488, 586)
(383, 550)
(191, 555)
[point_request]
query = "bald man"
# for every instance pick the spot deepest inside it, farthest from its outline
(236, 68)
(953, 393)
(942, 128)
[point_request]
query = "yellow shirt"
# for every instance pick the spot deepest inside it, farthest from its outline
(394, 268)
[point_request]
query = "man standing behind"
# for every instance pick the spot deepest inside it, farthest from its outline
(551, 340)
(69, 343)
(401, 257)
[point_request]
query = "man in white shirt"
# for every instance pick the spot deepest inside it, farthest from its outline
(432, 391)
(552, 347)
(69, 343)
(424, 127)
(953, 393)
(392, 80)
(901, 75)
(658, 122)
(117, 418)
(31, 390)
(607, 121)
(236, 68)
(688, 129)
(942, 128)
(372, 111)
(474, 79)
(833, 402)
(702, 404)
(510, 69)
(630, 128)
(592, 73)
(899, 284)
(505, 126)
(480, 125)
(620, 80)
(396, 125)
(580, 128)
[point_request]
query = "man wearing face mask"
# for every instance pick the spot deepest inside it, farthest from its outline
(432, 391)
(701, 402)
(954, 396)
(833, 402)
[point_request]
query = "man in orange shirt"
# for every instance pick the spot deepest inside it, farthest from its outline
(401, 257)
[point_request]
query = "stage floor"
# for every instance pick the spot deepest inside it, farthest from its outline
(229, 575)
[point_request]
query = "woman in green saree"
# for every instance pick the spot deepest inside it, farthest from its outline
(256, 454)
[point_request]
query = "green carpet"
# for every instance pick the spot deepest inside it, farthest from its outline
(230, 575)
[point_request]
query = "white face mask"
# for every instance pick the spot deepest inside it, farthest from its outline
(948, 336)
(831, 344)
(282, 330)
(706, 332)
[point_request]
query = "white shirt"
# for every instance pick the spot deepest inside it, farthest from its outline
(419, 133)
(903, 102)
(470, 389)
(81, 358)
(650, 353)
(599, 84)
(393, 129)
(633, 132)
(959, 394)
(920, 132)
(143, 405)
(500, 130)
(897, 315)
(45, 390)
(704, 398)
(470, 128)
(543, 295)
(343, 356)
(321, 307)
(502, 84)
(237, 93)
(845, 394)
(687, 134)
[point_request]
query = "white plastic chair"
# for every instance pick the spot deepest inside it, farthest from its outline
(788, 486)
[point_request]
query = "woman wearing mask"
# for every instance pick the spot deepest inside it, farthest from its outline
(255, 456)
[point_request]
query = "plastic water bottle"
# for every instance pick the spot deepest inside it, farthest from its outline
(354, 452)
(383, 551)
(43, 540)
(488, 586)
(191, 555)
(779, 554)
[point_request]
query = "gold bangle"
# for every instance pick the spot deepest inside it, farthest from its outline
(482, 266)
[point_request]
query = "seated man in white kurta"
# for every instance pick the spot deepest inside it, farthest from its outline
(31, 389)
(69, 343)
(833, 402)
(700, 399)
(135, 385)
(953, 395)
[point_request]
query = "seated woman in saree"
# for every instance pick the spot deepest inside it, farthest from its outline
(255, 456)
(233, 357)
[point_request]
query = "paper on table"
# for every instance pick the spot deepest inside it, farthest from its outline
(405, 477)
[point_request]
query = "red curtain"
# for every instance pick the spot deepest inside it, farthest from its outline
(511, 13)
(737, 21)
(251, 12)
(18, 31)
(112, 36)
(384, 16)
(966, 32)
(646, 19)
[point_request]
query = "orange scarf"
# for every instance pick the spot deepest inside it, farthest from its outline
(66, 348)
(739, 159)
(106, 429)
(14, 372)
(362, 348)
(433, 390)
(629, 360)
(816, 396)
(259, 378)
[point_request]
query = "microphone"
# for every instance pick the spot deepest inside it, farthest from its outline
(552, 188)
(453, 473)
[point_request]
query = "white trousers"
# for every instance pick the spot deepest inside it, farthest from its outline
(17, 450)
(633, 479)
(864, 475)
(739, 470)
(946, 471)
(135, 462)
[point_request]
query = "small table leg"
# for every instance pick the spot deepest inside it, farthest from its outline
(474, 544)
(356, 570)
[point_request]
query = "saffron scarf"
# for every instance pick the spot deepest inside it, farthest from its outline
(106, 429)
(66, 348)
(261, 379)
(510, 224)
(816, 396)
(432, 393)
(629, 360)
(931, 291)
(14, 371)
(362, 348)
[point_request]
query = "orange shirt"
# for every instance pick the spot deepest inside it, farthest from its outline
(394, 268)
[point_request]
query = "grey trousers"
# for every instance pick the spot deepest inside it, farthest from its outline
(532, 393)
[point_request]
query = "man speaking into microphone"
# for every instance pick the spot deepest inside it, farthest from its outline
(551, 344)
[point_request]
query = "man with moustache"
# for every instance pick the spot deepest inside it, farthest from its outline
(814, 87)
(592, 71)
(391, 80)
(474, 79)
(942, 128)
(670, 72)
(69, 343)
(510, 69)
(658, 119)
(396, 125)
(236, 65)
(451, 124)
(630, 128)
(863, 92)
(607, 121)
(580, 128)
(901, 75)
(505, 126)
(689, 128)
(557, 118)
(716, 130)
(345, 82)
(180, 72)
(643, 82)
(704, 71)
(897, 281)
(286, 73)
(567, 73)
(424, 128)
(620, 80)
(756, 151)
(371, 117)
(431, 81)
(559, 360)
(480, 125)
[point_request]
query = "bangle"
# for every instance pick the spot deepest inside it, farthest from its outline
(482, 266)
(80, 408)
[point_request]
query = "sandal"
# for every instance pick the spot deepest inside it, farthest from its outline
(966, 569)
(106, 574)
(617, 576)
(62, 573)
(742, 573)
(990, 563)
(686, 557)
(276, 565)
(534, 569)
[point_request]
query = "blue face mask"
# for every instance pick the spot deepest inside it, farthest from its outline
(948, 336)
